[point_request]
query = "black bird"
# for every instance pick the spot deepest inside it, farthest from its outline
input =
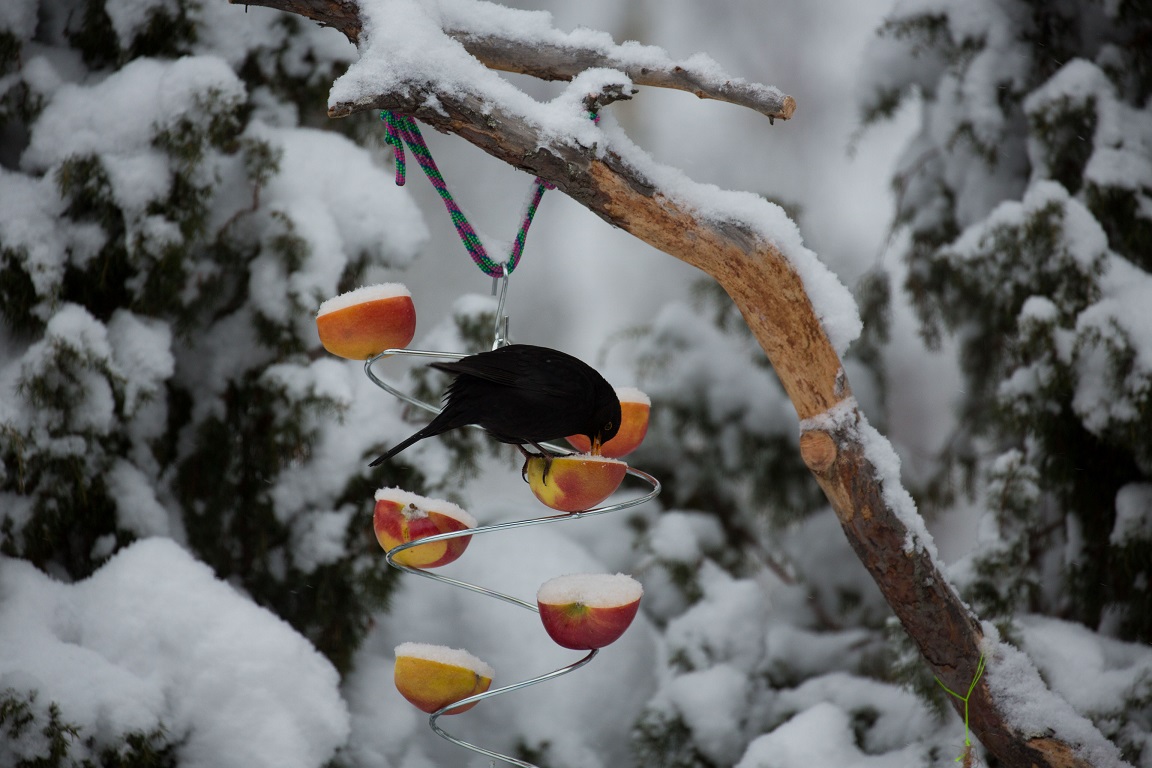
(524, 395)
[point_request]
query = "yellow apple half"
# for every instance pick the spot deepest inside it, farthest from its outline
(634, 409)
(401, 516)
(434, 676)
(363, 323)
(575, 483)
(588, 610)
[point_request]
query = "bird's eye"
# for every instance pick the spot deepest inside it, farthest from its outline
(609, 425)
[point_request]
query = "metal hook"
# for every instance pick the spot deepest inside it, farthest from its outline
(500, 331)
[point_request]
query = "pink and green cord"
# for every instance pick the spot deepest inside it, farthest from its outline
(403, 130)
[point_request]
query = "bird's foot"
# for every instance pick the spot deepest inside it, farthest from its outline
(528, 456)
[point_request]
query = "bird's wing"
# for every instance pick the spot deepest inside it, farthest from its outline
(496, 371)
(522, 366)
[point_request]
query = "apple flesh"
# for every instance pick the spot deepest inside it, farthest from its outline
(634, 410)
(588, 610)
(574, 483)
(432, 677)
(400, 517)
(363, 323)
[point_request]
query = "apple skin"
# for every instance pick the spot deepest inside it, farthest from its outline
(398, 522)
(582, 627)
(633, 428)
(583, 611)
(430, 685)
(574, 483)
(364, 330)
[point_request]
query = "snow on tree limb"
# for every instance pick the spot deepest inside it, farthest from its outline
(554, 61)
(525, 42)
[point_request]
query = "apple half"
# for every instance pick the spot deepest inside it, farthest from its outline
(574, 483)
(634, 409)
(401, 516)
(588, 610)
(432, 677)
(363, 323)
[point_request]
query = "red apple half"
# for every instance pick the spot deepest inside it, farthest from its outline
(634, 409)
(401, 516)
(588, 610)
(363, 323)
(434, 676)
(574, 483)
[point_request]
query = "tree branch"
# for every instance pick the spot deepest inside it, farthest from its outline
(557, 61)
(343, 15)
(561, 62)
(835, 442)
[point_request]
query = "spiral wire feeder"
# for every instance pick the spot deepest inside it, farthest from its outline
(500, 333)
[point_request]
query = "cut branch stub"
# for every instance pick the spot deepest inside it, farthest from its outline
(609, 94)
(818, 450)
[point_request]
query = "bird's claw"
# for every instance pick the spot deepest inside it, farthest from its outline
(545, 455)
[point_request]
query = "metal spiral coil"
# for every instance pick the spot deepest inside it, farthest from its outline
(500, 334)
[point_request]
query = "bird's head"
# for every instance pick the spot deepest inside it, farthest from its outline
(606, 422)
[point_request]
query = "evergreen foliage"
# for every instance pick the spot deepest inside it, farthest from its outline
(157, 289)
(1026, 196)
(37, 736)
(1028, 218)
(765, 570)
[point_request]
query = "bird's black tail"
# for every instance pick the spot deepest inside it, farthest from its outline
(401, 446)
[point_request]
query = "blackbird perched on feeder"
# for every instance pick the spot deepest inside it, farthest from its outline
(524, 395)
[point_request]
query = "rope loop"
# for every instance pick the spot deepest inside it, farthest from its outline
(403, 130)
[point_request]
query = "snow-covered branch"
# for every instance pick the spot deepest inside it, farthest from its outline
(564, 60)
(539, 50)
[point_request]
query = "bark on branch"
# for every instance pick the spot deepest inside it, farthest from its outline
(774, 303)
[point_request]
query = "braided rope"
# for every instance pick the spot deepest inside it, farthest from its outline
(392, 139)
(404, 130)
(526, 221)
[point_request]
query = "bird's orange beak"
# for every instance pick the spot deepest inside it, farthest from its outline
(596, 441)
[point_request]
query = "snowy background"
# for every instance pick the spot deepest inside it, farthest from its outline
(758, 645)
